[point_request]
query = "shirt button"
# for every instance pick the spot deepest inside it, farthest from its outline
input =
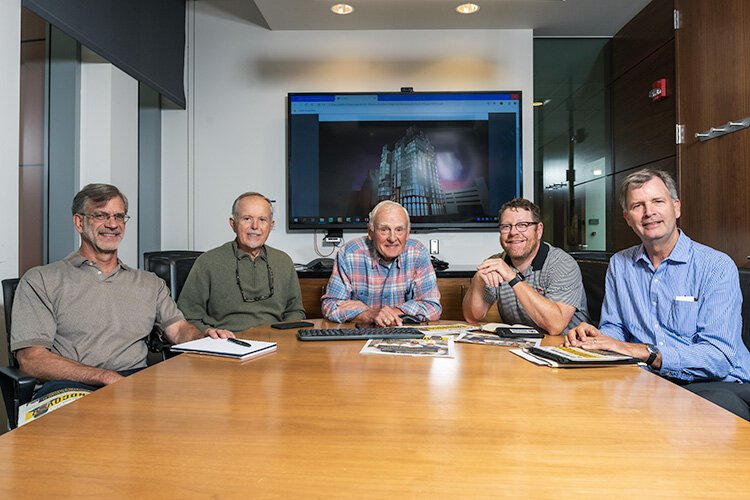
(653, 303)
(661, 343)
(656, 280)
(656, 326)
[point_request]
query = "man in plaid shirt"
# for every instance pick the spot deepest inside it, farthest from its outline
(382, 276)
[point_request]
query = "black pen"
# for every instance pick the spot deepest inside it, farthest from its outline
(239, 342)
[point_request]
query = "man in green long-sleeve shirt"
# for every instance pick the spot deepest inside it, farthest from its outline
(243, 283)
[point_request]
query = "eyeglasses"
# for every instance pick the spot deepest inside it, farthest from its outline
(104, 216)
(386, 230)
(521, 227)
(249, 219)
(261, 297)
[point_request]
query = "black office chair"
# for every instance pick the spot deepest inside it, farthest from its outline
(158, 254)
(745, 288)
(593, 274)
(17, 387)
(173, 266)
(591, 255)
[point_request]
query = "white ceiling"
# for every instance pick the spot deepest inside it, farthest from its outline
(560, 18)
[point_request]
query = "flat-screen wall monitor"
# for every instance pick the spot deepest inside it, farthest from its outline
(451, 158)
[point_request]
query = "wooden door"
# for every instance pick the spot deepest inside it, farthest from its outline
(713, 78)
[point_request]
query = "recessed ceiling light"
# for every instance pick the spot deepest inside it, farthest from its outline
(342, 8)
(467, 8)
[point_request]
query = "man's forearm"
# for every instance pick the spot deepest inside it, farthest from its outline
(200, 325)
(45, 365)
(547, 314)
(367, 316)
(183, 331)
(342, 310)
(430, 310)
(474, 306)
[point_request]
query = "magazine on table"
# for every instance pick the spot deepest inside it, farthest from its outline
(48, 403)
(437, 347)
(491, 327)
(454, 329)
(492, 339)
(573, 357)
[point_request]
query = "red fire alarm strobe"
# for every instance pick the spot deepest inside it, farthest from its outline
(658, 90)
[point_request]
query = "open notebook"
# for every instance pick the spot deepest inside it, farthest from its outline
(225, 348)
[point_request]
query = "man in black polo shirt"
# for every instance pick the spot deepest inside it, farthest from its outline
(532, 282)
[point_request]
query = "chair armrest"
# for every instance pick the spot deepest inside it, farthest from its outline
(156, 344)
(17, 389)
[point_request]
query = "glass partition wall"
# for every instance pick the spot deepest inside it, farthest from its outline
(572, 142)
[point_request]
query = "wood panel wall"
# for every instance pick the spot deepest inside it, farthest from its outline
(713, 44)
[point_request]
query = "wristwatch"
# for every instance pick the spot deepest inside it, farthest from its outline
(653, 352)
(519, 277)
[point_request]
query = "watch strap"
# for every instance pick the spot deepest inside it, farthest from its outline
(517, 279)
(653, 352)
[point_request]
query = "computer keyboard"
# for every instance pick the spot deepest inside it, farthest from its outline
(359, 333)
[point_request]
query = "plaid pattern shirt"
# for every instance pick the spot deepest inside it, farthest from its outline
(362, 281)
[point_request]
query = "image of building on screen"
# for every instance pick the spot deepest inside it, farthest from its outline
(408, 174)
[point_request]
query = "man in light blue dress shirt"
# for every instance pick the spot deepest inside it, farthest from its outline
(672, 302)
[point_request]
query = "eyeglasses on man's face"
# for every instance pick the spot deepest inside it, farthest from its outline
(521, 227)
(260, 297)
(386, 231)
(248, 220)
(120, 218)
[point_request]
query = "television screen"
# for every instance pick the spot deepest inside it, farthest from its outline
(451, 158)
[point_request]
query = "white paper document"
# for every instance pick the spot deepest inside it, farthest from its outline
(223, 347)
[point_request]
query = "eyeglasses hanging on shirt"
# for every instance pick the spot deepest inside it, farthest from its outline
(242, 290)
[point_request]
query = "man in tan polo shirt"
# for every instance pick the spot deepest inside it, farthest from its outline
(81, 322)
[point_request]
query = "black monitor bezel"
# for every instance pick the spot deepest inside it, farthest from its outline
(489, 226)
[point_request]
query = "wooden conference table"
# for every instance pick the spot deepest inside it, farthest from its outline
(317, 419)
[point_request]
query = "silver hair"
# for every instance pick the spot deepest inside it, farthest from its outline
(381, 205)
(248, 195)
(641, 177)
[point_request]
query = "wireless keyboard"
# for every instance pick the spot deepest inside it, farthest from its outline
(359, 333)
